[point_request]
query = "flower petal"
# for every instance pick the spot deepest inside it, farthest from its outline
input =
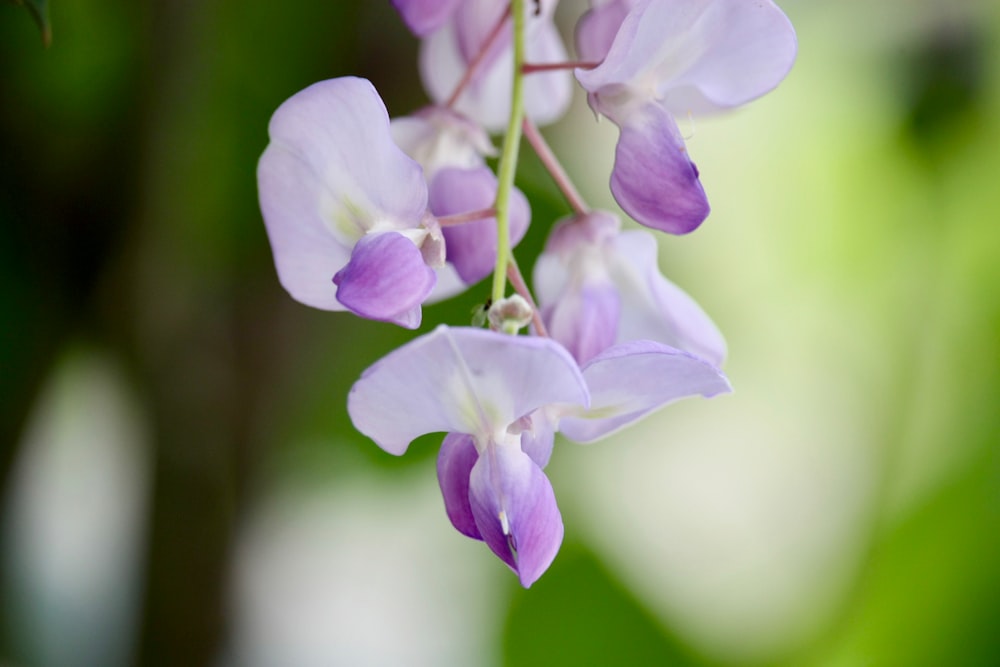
(585, 320)
(330, 173)
(596, 29)
(425, 16)
(654, 308)
(632, 380)
(699, 55)
(515, 510)
(454, 466)
(461, 380)
(385, 280)
(472, 246)
(653, 179)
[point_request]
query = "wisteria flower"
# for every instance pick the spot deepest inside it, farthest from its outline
(481, 388)
(345, 208)
(598, 286)
(470, 37)
(671, 58)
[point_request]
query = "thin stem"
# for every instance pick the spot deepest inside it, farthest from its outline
(508, 156)
(554, 167)
(463, 83)
(531, 68)
(463, 218)
(517, 282)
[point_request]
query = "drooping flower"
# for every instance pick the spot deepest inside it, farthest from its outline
(345, 208)
(598, 287)
(480, 387)
(672, 58)
(447, 54)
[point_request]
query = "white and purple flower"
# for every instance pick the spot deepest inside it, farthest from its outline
(478, 386)
(671, 58)
(345, 208)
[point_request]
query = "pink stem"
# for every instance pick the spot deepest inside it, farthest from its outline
(554, 168)
(531, 68)
(470, 216)
(478, 60)
(517, 282)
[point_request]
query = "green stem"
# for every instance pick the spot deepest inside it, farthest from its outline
(508, 156)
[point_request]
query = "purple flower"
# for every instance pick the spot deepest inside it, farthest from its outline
(480, 387)
(446, 54)
(345, 208)
(670, 58)
(598, 287)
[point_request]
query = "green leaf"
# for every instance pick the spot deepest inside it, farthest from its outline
(39, 10)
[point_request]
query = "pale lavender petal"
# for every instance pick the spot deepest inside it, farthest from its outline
(700, 55)
(385, 280)
(472, 246)
(461, 380)
(454, 466)
(516, 512)
(437, 137)
(538, 434)
(330, 172)
(747, 48)
(425, 16)
(653, 180)
(634, 379)
(596, 29)
(306, 253)
(654, 308)
(585, 320)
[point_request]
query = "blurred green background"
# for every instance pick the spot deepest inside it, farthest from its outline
(180, 484)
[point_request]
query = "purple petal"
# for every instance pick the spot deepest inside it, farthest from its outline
(538, 434)
(329, 173)
(385, 280)
(461, 380)
(425, 16)
(585, 320)
(653, 179)
(654, 308)
(596, 29)
(634, 379)
(472, 246)
(515, 511)
(454, 466)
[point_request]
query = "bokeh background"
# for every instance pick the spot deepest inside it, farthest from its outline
(180, 483)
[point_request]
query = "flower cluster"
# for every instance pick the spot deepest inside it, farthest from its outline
(379, 216)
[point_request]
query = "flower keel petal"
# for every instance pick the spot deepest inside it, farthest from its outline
(515, 510)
